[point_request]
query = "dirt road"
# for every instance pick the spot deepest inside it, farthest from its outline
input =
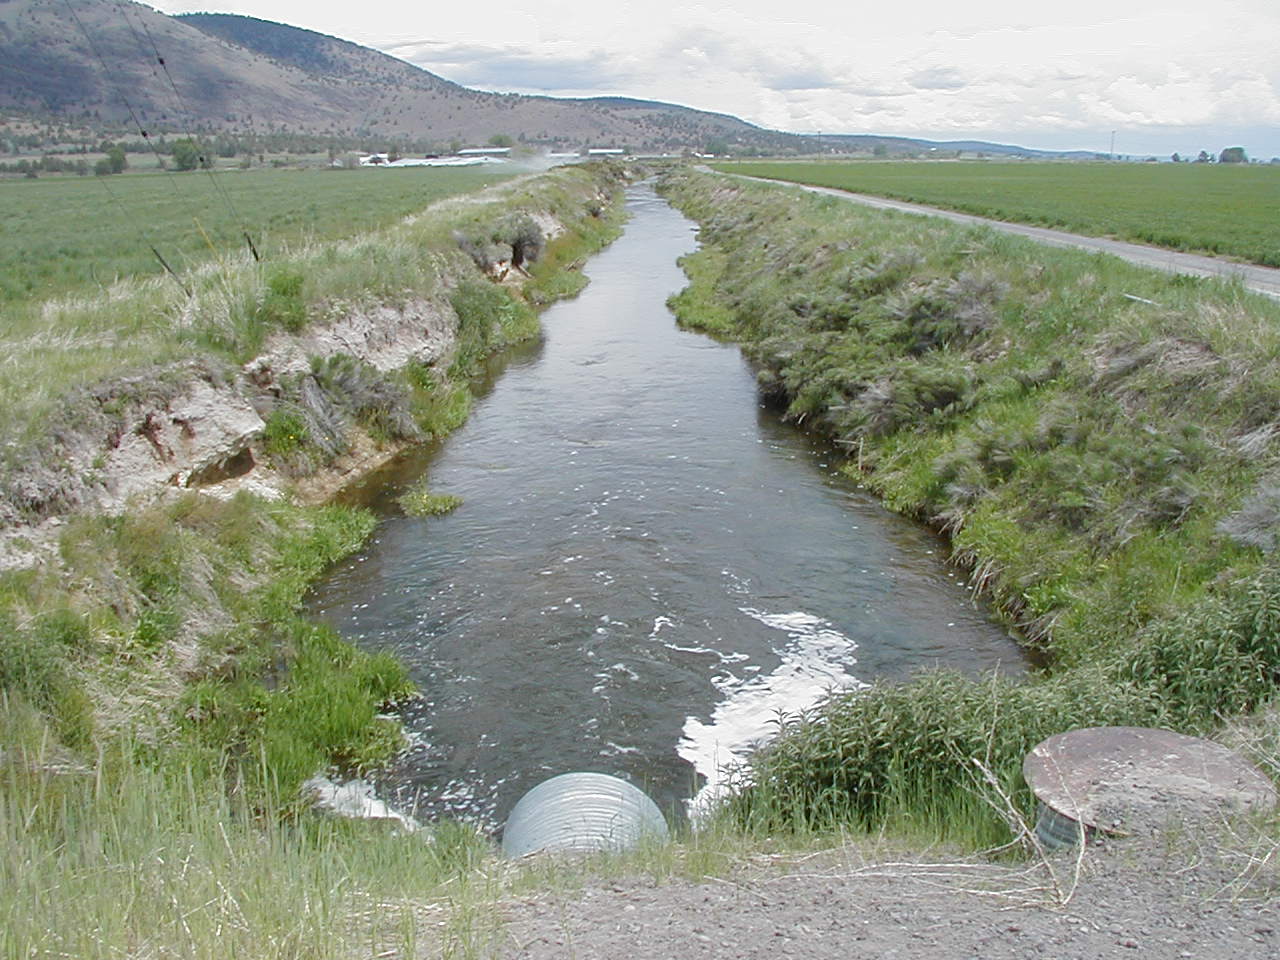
(1264, 280)
(1156, 901)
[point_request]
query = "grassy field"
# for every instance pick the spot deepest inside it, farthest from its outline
(1104, 465)
(67, 235)
(1233, 210)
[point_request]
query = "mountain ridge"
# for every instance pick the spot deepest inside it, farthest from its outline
(123, 62)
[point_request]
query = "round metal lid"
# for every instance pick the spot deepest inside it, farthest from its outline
(1126, 780)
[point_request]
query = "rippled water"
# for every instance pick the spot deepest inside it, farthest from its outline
(647, 566)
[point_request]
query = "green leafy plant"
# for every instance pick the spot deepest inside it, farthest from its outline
(419, 501)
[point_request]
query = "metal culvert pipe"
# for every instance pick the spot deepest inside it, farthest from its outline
(581, 812)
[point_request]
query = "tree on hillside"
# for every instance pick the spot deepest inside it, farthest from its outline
(500, 140)
(1233, 155)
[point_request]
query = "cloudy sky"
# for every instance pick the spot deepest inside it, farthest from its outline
(1165, 76)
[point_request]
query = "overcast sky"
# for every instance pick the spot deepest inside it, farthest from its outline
(1165, 76)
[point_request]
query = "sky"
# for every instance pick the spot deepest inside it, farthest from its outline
(1176, 75)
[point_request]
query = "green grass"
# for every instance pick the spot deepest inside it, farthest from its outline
(1231, 209)
(162, 700)
(117, 859)
(65, 236)
(1102, 465)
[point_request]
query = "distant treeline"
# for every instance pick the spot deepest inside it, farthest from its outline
(62, 140)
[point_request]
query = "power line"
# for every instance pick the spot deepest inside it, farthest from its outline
(128, 106)
(189, 115)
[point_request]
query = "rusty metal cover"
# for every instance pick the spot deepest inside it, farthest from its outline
(1125, 780)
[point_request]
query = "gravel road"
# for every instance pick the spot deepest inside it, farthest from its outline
(1264, 280)
(1216, 899)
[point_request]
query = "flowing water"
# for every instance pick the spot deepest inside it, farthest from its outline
(647, 568)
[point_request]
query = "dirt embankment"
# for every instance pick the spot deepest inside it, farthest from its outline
(200, 424)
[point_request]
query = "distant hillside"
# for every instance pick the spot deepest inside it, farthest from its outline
(234, 72)
(314, 53)
(859, 142)
(99, 62)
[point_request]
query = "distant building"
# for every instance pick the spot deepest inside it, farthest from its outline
(484, 152)
(604, 151)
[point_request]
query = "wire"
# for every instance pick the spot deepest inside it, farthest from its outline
(133, 114)
(182, 105)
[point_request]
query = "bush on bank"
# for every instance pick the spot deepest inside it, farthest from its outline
(1097, 440)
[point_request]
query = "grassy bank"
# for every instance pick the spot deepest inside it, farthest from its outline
(162, 700)
(1097, 440)
(1223, 209)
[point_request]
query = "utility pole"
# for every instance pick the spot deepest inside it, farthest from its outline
(1113, 145)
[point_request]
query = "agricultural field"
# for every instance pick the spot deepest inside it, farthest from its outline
(1232, 210)
(73, 235)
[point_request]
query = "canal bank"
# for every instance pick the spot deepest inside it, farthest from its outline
(1095, 439)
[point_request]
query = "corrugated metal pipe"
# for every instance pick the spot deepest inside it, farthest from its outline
(581, 812)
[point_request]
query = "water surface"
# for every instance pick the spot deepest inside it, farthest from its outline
(647, 566)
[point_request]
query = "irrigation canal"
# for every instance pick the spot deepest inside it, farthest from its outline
(647, 566)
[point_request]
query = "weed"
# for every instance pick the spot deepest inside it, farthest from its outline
(489, 317)
(418, 501)
(283, 305)
(285, 433)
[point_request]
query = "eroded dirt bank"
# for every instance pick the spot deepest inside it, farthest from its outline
(203, 424)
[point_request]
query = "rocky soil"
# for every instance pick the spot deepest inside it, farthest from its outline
(1215, 895)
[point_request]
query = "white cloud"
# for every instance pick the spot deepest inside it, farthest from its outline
(1055, 76)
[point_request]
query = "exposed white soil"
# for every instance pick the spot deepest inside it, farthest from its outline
(204, 431)
(188, 427)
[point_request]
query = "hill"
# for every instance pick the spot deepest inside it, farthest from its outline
(98, 60)
(97, 63)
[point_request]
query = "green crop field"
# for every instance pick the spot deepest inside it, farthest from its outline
(67, 235)
(1232, 209)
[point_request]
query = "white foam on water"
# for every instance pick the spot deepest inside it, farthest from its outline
(355, 799)
(813, 664)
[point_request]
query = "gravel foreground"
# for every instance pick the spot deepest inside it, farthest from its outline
(1215, 896)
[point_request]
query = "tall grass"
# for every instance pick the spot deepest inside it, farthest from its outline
(229, 305)
(112, 858)
(73, 236)
(1083, 450)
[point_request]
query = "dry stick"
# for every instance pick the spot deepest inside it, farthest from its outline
(1009, 812)
(740, 886)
